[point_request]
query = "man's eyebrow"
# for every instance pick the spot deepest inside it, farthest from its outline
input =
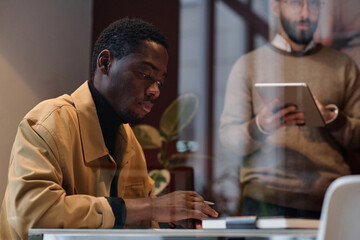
(153, 67)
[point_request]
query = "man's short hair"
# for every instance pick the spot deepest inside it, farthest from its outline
(123, 37)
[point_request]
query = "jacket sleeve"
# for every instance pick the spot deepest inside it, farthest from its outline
(346, 128)
(238, 130)
(37, 198)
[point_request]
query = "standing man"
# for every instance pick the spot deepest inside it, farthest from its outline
(286, 164)
(76, 163)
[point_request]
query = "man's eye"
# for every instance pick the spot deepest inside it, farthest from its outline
(160, 84)
(314, 2)
(147, 76)
(295, 2)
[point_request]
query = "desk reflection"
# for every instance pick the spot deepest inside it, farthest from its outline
(170, 234)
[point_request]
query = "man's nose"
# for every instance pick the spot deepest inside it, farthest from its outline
(305, 10)
(153, 90)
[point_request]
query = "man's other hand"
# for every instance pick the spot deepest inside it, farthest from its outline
(181, 205)
(273, 117)
(175, 207)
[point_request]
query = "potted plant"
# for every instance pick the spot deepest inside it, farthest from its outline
(175, 118)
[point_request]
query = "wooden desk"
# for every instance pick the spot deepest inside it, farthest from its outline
(170, 234)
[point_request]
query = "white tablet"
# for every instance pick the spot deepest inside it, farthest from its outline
(297, 94)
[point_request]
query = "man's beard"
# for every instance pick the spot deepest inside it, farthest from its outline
(131, 117)
(303, 37)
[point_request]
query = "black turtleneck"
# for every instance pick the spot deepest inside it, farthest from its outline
(108, 118)
(109, 123)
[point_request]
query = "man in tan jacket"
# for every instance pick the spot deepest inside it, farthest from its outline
(76, 163)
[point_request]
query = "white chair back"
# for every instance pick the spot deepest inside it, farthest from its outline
(340, 216)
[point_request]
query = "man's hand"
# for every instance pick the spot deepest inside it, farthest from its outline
(270, 118)
(173, 207)
(181, 205)
(326, 113)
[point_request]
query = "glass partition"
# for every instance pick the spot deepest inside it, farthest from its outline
(262, 160)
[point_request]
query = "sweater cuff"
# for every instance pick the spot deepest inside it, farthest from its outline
(335, 110)
(263, 131)
(119, 209)
(255, 132)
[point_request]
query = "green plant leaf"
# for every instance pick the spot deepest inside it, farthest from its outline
(158, 178)
(161, 179)
(179, 114)
(148, 136)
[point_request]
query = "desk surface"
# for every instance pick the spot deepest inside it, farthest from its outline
(159, 234)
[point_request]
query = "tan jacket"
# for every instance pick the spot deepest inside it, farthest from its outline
(60, 169)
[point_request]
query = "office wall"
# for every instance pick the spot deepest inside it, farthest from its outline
(44, 52)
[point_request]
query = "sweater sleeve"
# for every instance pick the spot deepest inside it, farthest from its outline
(238, 130)
(346, 128)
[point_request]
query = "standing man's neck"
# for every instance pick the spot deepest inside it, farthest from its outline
(294, 46)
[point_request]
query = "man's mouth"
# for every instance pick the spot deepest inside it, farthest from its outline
(304, 25)
(146, 106)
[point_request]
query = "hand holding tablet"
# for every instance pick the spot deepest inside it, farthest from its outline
(292, 94)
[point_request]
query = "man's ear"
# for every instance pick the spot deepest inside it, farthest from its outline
(275, 7)
(104, 61)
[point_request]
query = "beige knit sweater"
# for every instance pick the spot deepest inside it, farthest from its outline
(294, 165)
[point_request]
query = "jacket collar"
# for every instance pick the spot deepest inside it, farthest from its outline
(91, 135)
